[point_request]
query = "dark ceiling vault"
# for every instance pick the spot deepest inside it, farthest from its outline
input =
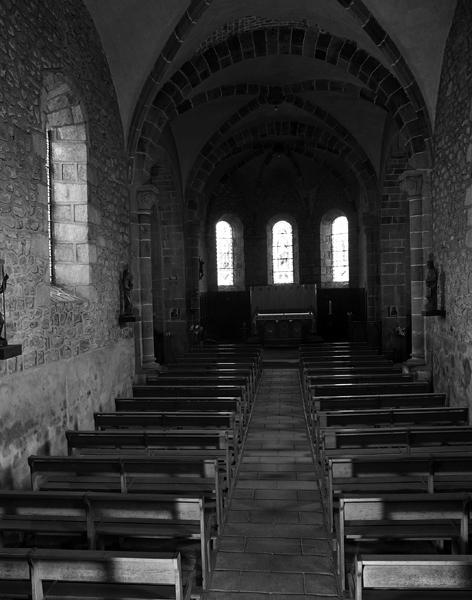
(322, 77)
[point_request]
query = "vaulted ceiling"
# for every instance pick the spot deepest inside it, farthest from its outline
(324, 76)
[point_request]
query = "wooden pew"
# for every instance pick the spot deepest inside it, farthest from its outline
(311, 381)
(158, 420)
(370, 377)
(218, 442)
(400, 517)
(185, 404)
(41, 574)
(412, 577)
(233, 370)
(351, 369)
(394, 472)
(363, 389)
(131, 474)
(60, 516)
(335, 352)
(168, 379)
(324, 422)
(228, 353)
(182, 391)
(444, 438)
(378, 401)
(359, 362)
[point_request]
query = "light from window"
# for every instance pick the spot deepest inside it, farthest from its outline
(224, 253)
(50, 205)
(282, 252)
(340, 249)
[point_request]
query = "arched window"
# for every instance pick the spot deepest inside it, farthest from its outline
(282, 252)
(334, 240)
(224, 254)
(71, 254)
(340, 249)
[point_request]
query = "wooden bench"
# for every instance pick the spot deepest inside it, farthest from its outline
(345, 363)
(370, 377)
(324, 422)
(351, 369)
(184, 404)
(400, 517)
(445, 438)
(379, 401)
(131, 474)
(182, 391)
(412, 577)
(336, 352)
(49, 574)
(311, 381)
(168, 379)
(56, 517)
(363, 389)
(393, 472)
(219, 442)
(158, 420)
(216, 370)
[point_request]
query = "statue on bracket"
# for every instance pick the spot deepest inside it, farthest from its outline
(431, 281)
(126, 289)
(126, 305)
(3, 287)
(6, 350)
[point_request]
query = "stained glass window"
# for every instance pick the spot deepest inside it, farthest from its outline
(340, 249)
(282, 252)
(224, 253)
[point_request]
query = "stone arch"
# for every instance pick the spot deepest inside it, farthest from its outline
(308, 137)
(400, 94)
(328, 123)
(288, 92)
(65, 126)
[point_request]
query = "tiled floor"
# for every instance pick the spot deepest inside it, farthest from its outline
(274, 544)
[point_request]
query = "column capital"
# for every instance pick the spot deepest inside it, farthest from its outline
(413, 180)
(147, 198)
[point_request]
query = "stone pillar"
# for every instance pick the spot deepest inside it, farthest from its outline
(147, 198)
(192, 229)
(415, 184)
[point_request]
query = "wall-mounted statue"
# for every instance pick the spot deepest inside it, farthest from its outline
(431, 281)
(201, 273)
(3, 287)
(126, 289)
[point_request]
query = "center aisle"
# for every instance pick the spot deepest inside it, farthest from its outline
(275, 544)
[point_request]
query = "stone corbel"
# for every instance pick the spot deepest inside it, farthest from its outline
(147, 198)
(415, 182)
(411, 183)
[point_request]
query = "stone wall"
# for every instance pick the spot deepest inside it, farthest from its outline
(449, 340)
(75, 356)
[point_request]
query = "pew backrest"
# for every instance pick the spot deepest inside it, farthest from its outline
(420, 572)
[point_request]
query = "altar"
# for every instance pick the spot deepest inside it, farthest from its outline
(283, 313)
